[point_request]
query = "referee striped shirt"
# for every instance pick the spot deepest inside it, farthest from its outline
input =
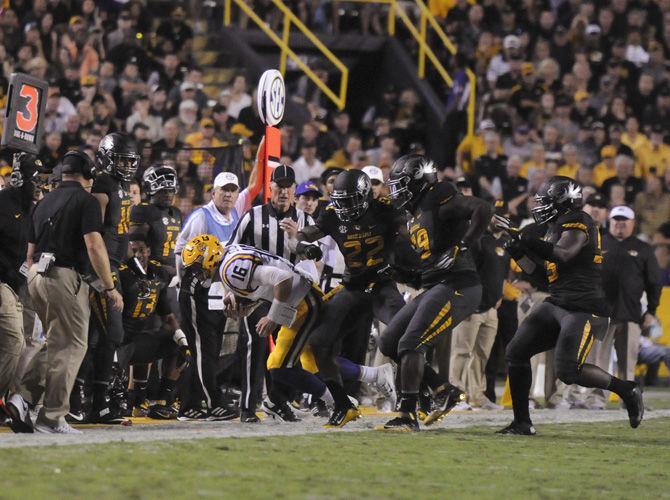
(259, 228)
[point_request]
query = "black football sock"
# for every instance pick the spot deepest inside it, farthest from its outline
(520, 380)
(408, 402)
(431, 377)
(339, 394)
(620, 387)
(167, 391)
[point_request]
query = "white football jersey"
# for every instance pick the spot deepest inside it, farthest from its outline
(240, 274)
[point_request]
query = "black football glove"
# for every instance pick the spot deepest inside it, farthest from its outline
(309, 250)
(185, 357)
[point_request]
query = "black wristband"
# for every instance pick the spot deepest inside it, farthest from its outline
(109, 289)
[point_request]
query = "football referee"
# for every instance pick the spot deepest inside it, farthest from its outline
(64, 235)
(272, 227)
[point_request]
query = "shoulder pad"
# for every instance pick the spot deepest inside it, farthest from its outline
(237, 270)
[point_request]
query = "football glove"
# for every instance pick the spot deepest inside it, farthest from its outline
(309, 251)
(185, 357)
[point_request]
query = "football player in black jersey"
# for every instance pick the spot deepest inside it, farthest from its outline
(365, 230)
(158, 219)
(563, 249)
(442, 224)
(144, 283)
(117, 162)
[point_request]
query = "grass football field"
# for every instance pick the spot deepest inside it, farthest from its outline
(586, 460)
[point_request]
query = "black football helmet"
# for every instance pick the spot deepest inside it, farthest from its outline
(26, 167)
(557, 196)
(351, 194)
(159, 178)
(118, 156)
(410, 176)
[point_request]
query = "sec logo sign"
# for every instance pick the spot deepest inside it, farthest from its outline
(271, 97)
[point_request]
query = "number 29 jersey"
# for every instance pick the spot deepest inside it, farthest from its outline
(433, 234)
(365, 243)
(238, 274)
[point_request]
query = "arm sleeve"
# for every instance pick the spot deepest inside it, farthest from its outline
(103, 185)
(195, 225)
(272, 276)
(163, 306)
(652, 282)
(244, 201)
(91, 217)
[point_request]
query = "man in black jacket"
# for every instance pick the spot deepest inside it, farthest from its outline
(629, 269)
(17, 318)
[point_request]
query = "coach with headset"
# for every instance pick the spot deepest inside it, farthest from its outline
(65, 234)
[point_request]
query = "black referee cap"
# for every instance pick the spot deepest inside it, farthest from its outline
(283, 175)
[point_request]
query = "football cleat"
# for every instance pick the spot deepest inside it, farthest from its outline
(385, 382)
(281, 411)
(319, 408)
(19, 412)
(162, 412)
(105, 416)
(518, 429)
(635, 406)
(141, 410)
(446, 397)
(409, 423)
(341, 416)
(220, 413)
(249, 417)
(193, 414)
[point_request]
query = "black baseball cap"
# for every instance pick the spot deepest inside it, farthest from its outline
(463, 182)
(329, 172)
(283, 175)
(596, 200)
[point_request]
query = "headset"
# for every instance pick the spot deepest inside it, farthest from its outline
(86, 166)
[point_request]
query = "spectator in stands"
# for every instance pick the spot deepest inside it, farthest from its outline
(170, 143)
(655, 158)
(490, 169)
(652, 207)
(519, 144)
(571, 162)
(307, 166)
(624, 165)
(176, 32)
(187, 120)
(596, 206)
(606, 168)
(472, 147)
(237, 98)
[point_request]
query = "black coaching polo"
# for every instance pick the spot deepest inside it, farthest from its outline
(61, 220)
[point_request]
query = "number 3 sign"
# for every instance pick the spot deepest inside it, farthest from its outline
(25, 111)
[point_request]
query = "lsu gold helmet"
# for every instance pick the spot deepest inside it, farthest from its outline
(205, 250)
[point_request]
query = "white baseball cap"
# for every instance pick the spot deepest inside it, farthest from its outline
(225, 178)
(511, 42)
(374, 173)
(622, 211)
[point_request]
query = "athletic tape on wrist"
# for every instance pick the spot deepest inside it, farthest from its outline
(179, 337)
(282, 313)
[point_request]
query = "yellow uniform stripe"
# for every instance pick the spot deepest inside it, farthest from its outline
(446, 324)
(587, 350)
(438, 318)
(585, 338)
(575, 225)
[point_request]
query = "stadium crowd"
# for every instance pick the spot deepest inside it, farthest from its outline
(575, 88)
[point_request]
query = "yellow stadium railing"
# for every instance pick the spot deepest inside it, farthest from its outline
(396, 11)
(290, 19)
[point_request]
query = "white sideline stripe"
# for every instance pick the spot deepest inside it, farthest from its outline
(189, 431)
